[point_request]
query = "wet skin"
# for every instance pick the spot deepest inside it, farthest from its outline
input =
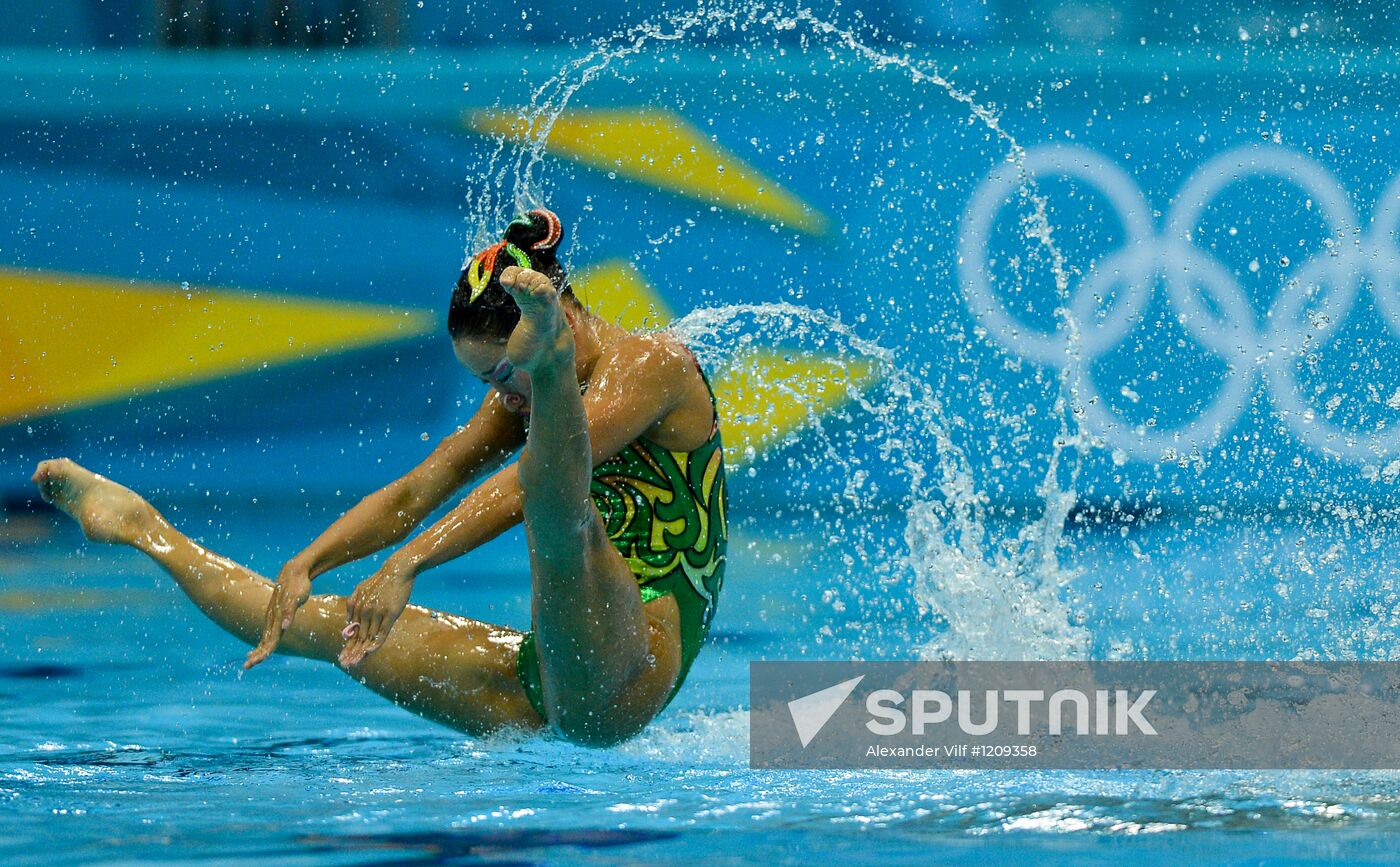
(607, 661)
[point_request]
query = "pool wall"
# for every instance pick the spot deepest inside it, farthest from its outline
(229, 273)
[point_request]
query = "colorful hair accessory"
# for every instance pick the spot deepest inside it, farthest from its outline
(479, 273)
(556, 229)
(553, 228)
(483, 265)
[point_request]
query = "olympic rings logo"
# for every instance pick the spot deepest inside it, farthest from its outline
(1316, 297)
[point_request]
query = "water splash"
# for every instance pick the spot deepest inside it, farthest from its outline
(979, 597)
(957, 588)
(549, 101)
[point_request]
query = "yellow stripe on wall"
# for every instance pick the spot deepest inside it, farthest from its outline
(767, 395)
(617, 291)
(661, 149)
(69, 341)
(764, 395)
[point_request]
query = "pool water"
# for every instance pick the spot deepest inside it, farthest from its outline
(129, 735)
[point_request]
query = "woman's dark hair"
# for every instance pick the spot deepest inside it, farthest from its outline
(481, 307)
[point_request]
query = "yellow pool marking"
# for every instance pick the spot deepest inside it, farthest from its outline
(765, 395)
(615, 290)
(662, 149)
(69, 341)
(768, 394)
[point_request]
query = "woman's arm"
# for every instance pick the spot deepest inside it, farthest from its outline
(389, 514)
(489, 510)
(640, 385)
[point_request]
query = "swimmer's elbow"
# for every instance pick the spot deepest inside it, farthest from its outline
(401, 498)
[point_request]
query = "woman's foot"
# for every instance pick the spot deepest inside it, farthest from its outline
(105, 510)
(543, 336)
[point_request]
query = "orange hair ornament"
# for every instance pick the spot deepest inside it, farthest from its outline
(483, 265)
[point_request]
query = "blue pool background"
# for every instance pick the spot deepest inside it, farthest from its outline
(128, 734)
(344, 177)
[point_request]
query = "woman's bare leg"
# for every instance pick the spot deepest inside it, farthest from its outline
(607, 663)
(450, 669)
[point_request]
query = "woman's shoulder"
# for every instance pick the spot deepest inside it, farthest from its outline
(663, 369)
(656, 353)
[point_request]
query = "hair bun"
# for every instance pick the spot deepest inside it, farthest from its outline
(538, 231)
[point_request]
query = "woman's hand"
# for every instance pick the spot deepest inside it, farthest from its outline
(291, 591)
(372, 610)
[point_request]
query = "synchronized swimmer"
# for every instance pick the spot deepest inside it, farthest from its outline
(620, 484)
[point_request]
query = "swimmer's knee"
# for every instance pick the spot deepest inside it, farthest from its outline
(605, 715)
(594, 726)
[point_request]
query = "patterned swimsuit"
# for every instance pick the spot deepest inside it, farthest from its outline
(665, 514)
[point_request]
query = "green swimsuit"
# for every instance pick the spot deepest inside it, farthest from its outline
(665, 514)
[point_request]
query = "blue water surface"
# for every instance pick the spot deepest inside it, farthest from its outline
(129, 735)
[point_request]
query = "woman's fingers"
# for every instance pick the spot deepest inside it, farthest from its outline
(350, 652)
(370, 613)
(373, 630)
(376, 642)
(354, 629)
(352, 607)
(354, 652)
(362, 619)
(382, 624)
(273, 624)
